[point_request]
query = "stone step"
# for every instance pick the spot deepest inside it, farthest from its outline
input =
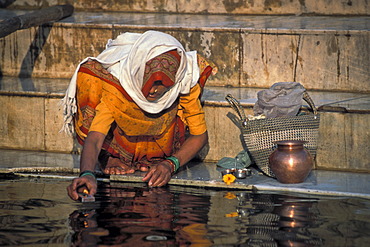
(20, 163)
(31, 120)
(321, 52)
(255, 7)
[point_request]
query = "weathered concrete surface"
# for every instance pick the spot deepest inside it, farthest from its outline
(50, 52)
(223, 48)
(344, 142)
(22, 122)
(55, 141)
(322, 53)
(225, 138)
(32, 123)
(257, 7)
(323, 61)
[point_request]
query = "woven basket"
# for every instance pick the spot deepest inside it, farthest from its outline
(260, 135)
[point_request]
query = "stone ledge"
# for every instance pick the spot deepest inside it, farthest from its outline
(227, 22)
(194, 174)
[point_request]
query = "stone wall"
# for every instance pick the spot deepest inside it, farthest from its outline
(320, 60)
(254, 7)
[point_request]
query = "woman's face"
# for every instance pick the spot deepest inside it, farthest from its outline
(157, 91)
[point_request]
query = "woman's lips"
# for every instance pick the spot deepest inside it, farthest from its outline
(152, 96)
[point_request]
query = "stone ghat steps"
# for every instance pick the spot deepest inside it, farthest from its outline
(255, 7)
(320, 52)
(50, 165)
(31, 119)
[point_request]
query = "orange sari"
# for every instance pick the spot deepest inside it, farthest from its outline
(104, 106)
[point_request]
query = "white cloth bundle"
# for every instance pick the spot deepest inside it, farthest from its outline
(281, 99)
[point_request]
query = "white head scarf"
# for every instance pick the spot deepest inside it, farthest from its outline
(125, 58)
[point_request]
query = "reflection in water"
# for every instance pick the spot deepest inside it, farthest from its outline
(28, 212)
(140, 216)
(38, 212)
(281, 221)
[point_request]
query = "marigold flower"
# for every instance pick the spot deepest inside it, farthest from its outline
(230, 195)
(233, 214)
(228, 178)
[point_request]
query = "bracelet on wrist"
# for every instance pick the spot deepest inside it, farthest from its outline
(175, 161)
(172, 165)
(88, 173)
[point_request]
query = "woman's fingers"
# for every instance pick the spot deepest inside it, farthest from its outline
(72, 190)
(87, 181)
(153, 179)
(91, 186)
(161, 180)
(158, 175)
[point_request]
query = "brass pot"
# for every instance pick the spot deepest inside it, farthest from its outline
(291, 162)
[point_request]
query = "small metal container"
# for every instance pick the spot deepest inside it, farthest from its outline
(228, 171)
(238, 173)
(242, 173)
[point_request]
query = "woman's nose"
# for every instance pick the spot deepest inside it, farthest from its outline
(153, 90)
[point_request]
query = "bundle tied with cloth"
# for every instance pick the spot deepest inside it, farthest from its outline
(282, 99)
(277, 116)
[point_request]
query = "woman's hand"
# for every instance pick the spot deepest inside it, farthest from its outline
(159, 174)
(89, 157)
(86, 181)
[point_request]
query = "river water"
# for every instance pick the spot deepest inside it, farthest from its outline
(38, 212)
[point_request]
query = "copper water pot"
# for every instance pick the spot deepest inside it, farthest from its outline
(291, 162)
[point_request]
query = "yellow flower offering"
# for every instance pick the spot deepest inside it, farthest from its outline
(230, 195)
(231, 215)
(228, 178)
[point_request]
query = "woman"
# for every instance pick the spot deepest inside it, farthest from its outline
(130, 105)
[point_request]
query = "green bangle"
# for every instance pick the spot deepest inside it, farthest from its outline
(175, 161)
(87, 173)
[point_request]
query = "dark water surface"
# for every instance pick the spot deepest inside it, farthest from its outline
(38, 212)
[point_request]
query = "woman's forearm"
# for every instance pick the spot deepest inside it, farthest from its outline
(91, 150)
(191, 147)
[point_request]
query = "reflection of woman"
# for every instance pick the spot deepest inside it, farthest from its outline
(132, 216)
(132, 103)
